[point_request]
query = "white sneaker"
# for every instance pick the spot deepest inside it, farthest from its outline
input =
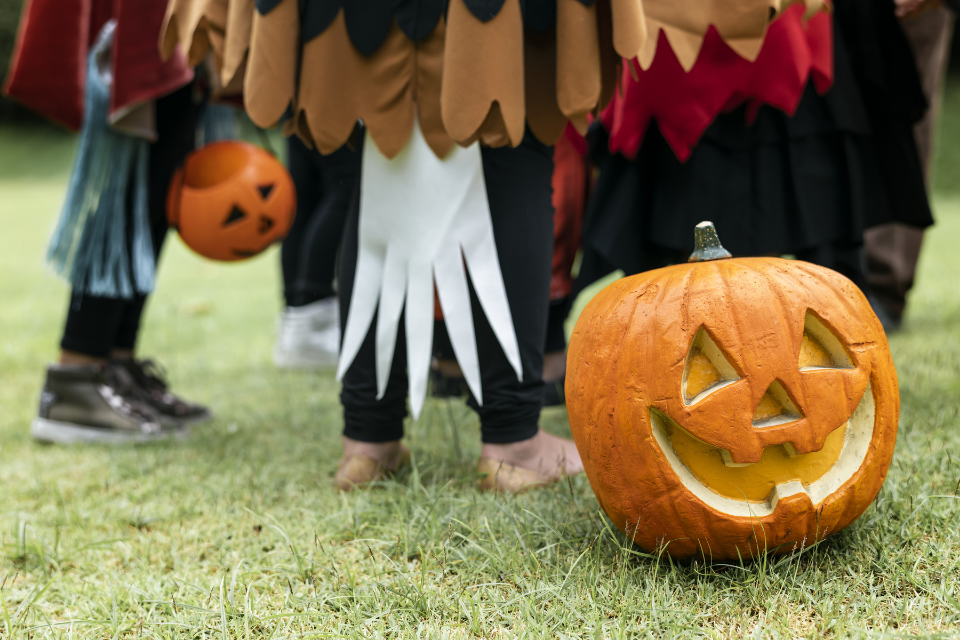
(308, 337)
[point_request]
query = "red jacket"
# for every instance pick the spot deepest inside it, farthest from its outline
(48, 69)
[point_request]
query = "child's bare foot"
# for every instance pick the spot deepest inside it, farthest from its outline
(365, 462)
(536, 462)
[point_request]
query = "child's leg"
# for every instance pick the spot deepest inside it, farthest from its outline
(519, 191)
(372, 427)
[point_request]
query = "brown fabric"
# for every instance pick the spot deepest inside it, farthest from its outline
(894, 249)
(196, 25)
(485, 82)
(929, 33)
(429, 74)
(630, 24)
(610, 63)
(270, 82)
(338, 85)
(544, 117)
(237, 41)
(579, 73)
(482, 94)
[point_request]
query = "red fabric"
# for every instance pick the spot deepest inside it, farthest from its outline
(48, 69)
(571, 181)
(685, 103)
(139, 73)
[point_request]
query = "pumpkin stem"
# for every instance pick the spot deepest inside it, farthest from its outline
(706, 244)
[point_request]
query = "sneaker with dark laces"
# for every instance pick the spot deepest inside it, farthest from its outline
(150, 380)
(95, 404)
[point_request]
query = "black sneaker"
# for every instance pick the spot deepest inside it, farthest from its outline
(97, 404)
(150, 380)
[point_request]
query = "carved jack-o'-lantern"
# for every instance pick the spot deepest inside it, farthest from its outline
(231, 200)
(732, 406)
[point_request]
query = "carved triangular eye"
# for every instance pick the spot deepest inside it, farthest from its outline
(820, 348)
(265, 190)
(236, 215)
(775, 407)
(707, 369)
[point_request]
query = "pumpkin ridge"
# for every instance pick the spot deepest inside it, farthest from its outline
(816, 272)
(684, 296)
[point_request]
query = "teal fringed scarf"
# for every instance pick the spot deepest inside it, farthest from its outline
(91, 246)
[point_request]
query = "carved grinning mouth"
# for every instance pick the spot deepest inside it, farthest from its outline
(754, 489)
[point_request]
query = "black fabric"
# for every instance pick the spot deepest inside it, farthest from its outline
(418, 18)
(266, 6)
(556, 320)
(519, 190)
(484, 10)
(539, 15)
(316, 16)
(887, 77)
(369, 21)
(806, 185)
(325, 186)
(95, 324)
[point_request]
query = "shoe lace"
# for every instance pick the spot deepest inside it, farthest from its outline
(151, 374)
(124, 392)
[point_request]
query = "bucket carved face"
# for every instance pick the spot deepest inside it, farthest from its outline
(231, 200)
(731, 406)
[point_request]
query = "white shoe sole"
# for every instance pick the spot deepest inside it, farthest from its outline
(53, 431)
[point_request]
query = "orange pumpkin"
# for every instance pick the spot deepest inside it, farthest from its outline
(732, 406)
(231, 200)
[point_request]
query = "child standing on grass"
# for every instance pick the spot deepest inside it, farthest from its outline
(139, 119)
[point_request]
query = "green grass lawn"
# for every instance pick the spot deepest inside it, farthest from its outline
(237, 532)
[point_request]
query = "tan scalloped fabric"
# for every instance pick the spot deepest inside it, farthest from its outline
(468, 80)
(742, 24)
(579, 72)
(483, 67)
(339, 86)
(544, 116)
(197, 26)
(239, 26)
(270, 83)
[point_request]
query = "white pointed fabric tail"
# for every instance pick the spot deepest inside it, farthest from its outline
(421, 219)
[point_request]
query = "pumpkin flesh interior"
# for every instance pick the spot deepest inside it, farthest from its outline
(778, 464)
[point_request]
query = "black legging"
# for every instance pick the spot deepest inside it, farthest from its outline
(96, 325)
(325, 187)
(519, 190)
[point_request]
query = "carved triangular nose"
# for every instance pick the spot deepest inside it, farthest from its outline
(775, 407)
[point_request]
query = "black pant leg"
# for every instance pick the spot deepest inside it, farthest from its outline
(325, 187)
(92, 324)
(520, 194)
(364, 417)
(556, 324)
(519, 191)
(305, 172)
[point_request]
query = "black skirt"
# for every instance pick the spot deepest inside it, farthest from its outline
(806, 185)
